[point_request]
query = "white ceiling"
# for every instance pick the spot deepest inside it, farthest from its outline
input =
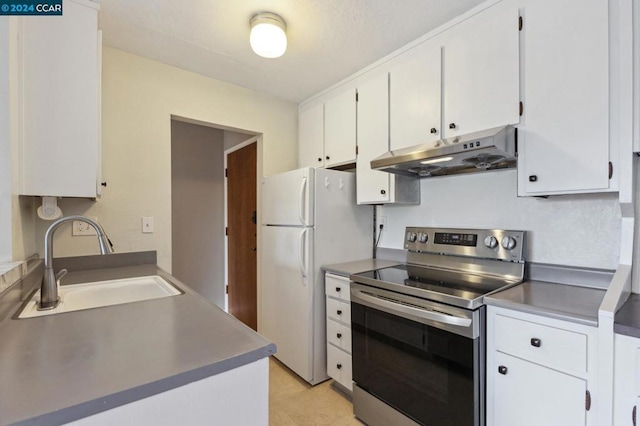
(328, 39)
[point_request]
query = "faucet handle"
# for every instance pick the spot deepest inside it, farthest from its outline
(61, 273)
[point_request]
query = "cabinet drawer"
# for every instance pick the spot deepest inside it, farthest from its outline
(545, 345)
(339, 335)
(337, 286)
(339, 366)
(339, 310)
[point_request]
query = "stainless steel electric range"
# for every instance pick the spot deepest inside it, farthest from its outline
(418, 329)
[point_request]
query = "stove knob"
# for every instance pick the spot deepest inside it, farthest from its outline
(508, 243)
(423, 237)
(411, 237)
(491, 242)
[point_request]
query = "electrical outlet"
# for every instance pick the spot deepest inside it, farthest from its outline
(80, 228)
(382, 221)
(147, 224)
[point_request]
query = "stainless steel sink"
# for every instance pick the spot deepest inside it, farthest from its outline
(96, 294)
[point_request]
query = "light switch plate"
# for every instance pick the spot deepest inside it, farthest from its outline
(147, 224)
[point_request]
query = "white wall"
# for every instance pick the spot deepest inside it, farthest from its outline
(578, 230)
(197, 209)
(139, 96)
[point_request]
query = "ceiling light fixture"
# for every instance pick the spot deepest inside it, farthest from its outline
(268, 38)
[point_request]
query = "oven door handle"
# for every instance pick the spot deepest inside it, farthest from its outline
(411, 310)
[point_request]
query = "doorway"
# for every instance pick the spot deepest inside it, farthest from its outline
(242, 232)
(198, 203)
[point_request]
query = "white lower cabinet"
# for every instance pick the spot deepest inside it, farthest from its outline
(338, 329)
(540, 371)
(626, 385)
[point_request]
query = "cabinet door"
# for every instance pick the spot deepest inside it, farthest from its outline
(311, 137)
(60, 102)
(414, 92)
(527, 394)
(340, 129)
(564, 140)
(373, 139)
(481, 72)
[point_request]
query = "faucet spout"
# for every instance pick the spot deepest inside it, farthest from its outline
(49, 290)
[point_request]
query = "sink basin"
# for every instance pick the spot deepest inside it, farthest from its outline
(103, 293)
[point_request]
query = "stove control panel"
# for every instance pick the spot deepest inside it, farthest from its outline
(479, 243)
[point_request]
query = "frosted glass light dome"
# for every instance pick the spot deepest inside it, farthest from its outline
(268, 38)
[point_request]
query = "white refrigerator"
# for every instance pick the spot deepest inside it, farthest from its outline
(309, 219)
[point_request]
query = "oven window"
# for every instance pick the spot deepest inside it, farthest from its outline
(424, 372)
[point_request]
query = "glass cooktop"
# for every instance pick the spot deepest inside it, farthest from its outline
(431, 283)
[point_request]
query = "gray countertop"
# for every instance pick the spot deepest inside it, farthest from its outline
(627, 319)
(350, 268)
(560, 301)
(58, 368)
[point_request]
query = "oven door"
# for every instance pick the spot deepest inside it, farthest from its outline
(422, 358)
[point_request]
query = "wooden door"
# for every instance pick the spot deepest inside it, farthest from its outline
(242, 234)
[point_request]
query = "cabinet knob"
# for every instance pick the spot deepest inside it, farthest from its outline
(327, 157)
(339, 312)
(339, 335)
(338, 289)
(104, 184)
(502, 370)
(433, 130)
(338, 366)
(533, 178)
(452, 125)
(536, 342)
(319, 158)
(382, 191)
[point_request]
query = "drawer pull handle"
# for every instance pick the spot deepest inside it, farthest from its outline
(338, 335)
(536, 342)
(339, 312)
(502, 370)
(338, 366)
(338, 289)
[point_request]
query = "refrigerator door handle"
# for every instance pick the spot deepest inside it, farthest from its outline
(303, 187)
(302, 253)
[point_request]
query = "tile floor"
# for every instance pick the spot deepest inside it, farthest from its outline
(292, 401)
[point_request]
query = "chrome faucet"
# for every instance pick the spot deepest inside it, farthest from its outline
(49, 290)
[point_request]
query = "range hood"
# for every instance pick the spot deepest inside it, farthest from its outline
(475, 152)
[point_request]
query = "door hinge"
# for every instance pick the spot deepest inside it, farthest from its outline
(587, 400)
(356, 96)
(226, 289)
(356, 149)
(520, 23)
(226, 172)
(226, 230)
(610, 169)
(521, 106)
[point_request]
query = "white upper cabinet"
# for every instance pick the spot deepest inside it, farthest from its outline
(327, 131)
(564, 138)
(311, 137)
(481, 85)
(340, 129)
(415, 97)
(60, 102)
(373, 186)
(373, 139)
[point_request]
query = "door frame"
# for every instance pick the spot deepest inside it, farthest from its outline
(258, 140)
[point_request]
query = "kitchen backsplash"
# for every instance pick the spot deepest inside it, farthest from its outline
(577, 230)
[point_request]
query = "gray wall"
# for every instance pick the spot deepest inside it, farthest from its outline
(197, 208)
